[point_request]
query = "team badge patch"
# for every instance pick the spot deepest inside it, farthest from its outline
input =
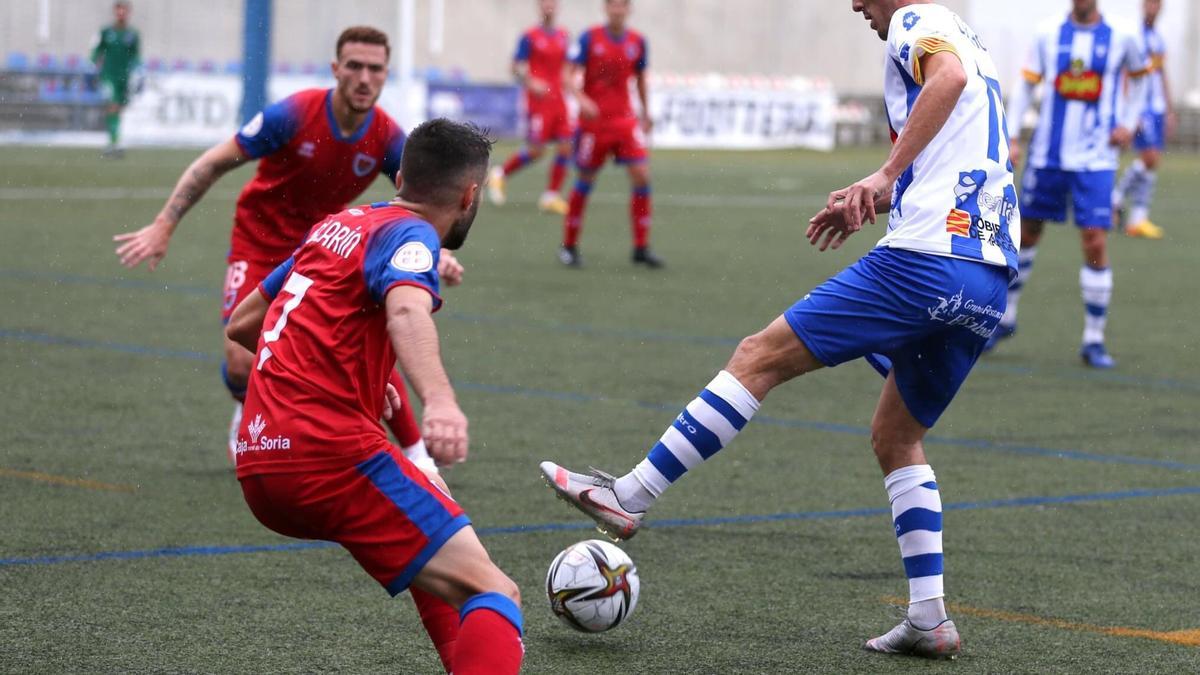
(413, 257)
(363, 164)
(251, 129)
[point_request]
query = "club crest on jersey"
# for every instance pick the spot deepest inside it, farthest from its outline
(363, 164)
(307, 149)
(911, 20)
(413, 257)
(631, 51)
(1078, 84)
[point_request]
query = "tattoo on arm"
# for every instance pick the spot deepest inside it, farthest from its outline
(196, 181)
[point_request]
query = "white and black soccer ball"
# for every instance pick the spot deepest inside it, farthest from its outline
(592, 586)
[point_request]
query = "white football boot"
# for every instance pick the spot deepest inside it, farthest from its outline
(593, 494)
(939, 642)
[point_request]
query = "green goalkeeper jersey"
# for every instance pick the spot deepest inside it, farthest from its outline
(117, 52)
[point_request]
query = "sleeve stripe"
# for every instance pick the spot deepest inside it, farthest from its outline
(437, 299)
(1031, 77)
(924, 47)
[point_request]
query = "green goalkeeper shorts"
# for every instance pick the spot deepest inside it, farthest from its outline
(115, 90)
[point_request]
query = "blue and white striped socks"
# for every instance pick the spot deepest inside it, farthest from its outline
(1095, 286)
(1024, 268)
(705, 426)
(917, 516)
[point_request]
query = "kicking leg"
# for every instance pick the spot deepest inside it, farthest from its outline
(760, 363)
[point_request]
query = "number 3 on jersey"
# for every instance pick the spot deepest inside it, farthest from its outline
(297, 285)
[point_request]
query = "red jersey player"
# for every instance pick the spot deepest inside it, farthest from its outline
(609, 56)
(317, 149)
(312, 458)
(538, 65)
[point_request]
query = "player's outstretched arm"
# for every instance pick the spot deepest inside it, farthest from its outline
(246, 322)
(414, 337)
(945, 80)
(150, 243)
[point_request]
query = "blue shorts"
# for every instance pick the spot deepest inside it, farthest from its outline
(1044, 195)
(924, 316)
(1151, 133)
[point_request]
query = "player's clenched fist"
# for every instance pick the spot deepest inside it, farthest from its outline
(444, 428)
(147, 244)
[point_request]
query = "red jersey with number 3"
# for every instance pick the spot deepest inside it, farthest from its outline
(609, 61)
(307, 169)
(316, 394)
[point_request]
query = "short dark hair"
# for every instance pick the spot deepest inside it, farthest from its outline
(437, 154)
(365, 34)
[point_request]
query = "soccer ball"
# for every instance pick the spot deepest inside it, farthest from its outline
(592, 586)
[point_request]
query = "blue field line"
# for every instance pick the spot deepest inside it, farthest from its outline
(576, 397)
(64, 341)
(196, 551)
(619, 333)
(133, 284)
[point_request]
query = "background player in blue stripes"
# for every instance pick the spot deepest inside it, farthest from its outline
(919, 307)
(1135, 190)
(1085, 120)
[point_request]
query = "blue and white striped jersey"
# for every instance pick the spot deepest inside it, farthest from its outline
(1084, 101)
(957, 199)
(1156, 47)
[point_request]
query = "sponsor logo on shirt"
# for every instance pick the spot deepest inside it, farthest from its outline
(1078, 84)
(259, 442)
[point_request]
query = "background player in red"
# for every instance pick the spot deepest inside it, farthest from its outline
(312, 458)
(538, 65)
(608, 56)
(317, 149)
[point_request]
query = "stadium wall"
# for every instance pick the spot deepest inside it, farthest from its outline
(752, 37)
(811, 38)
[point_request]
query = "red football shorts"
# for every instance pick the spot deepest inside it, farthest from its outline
(384, 511)
(548, 123)
(623, 141)
(241, 278)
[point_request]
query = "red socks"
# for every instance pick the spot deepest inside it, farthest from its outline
(516, 162)
(558, 172)
(403, 424)
(575, 207)
(639, 216)
(441, 622)
(489, 637)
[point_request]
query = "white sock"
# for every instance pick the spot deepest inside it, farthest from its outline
(1096, 288)
(1024, 268)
